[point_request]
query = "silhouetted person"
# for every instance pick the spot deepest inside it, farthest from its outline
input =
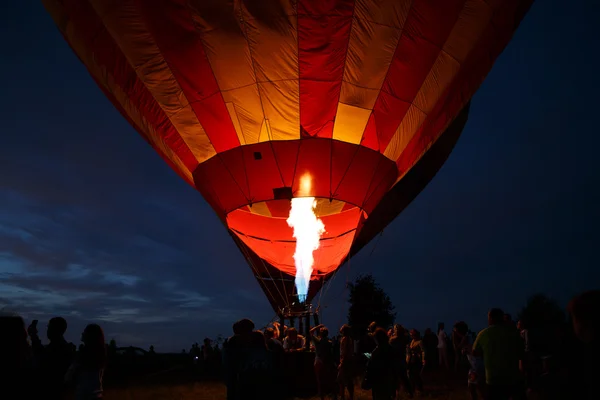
(236, 357)
(369, 342)
(476, 375)
(273, 344)
(335, 341)
(459, 341)
(366, 345)
(276, 351)
(207, 350)
(529, 358)
(195, 353)
(430, 342)
(87, 371)
(502, 350)
(152, 350)
(548, 385)
(524, 332)
(16, 372)
(442, 346)
(324, 364)
(415, 360)
(279, 331)
(399, 343)
(255, 379)
(208, 358)
(380, 368)
(585, 315)
(347, 365)
(509, 321)
(54, 359)
(112, 349)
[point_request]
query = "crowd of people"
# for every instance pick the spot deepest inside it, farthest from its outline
(502, 362)
(388, 361)
(499, 363)
(32, 370)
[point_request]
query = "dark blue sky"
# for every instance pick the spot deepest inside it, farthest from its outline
(95, 227)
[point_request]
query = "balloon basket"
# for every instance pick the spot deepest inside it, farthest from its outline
(300, 378)
(299, 314)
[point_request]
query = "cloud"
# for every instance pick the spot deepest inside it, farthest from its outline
(145, 281)
(127, 304)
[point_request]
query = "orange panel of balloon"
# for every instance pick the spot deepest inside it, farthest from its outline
(308, 126)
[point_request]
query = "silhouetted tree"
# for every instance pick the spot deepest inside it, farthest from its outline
(368, 303)
(542, 316)
(541, 312)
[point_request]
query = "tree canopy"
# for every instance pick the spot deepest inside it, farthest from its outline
(541, 312)
(368, 303)
(541, 316)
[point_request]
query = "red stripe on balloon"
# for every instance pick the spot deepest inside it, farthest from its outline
(181, 45)
(139, 130)
(425, 31)
(494, 39)
(323, 35)
(109, 56)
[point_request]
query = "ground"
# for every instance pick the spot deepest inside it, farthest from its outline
(213, 391)
(175, 380)
(216, 391)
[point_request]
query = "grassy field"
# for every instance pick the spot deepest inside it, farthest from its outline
(450, 390)
(214, 391)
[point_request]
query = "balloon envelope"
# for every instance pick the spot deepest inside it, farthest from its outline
(242, 98)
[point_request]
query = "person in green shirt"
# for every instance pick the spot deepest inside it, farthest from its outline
(502, 349)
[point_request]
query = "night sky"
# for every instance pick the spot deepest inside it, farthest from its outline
(96, 228)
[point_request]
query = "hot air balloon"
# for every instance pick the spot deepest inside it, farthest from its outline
(351, 104)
